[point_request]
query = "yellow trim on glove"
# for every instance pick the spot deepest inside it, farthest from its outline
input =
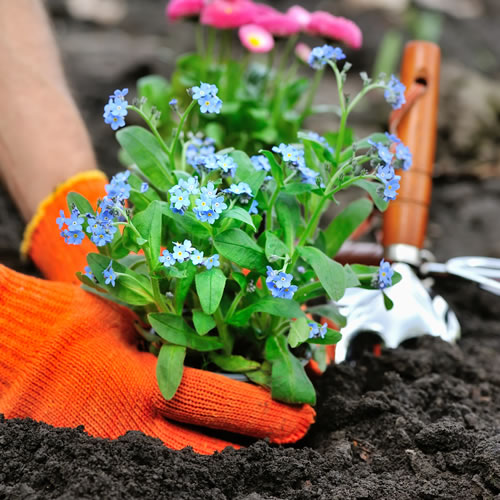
(90, 175)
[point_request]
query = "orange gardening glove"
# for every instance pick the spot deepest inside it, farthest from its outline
(68, 358)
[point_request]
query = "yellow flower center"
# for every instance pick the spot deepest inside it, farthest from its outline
(254, 41)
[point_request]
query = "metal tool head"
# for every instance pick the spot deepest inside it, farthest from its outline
(485, 271)
(416, 312)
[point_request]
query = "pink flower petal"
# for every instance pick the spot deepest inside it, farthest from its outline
(300, 14)
(338, 28)
(278, 24)
(255, 38)
(183, 8)
(225, 14)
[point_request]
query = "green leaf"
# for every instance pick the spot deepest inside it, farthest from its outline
(276, 170)
(262, 376)
(274, 246)
(240, 279)
(288, 213)
(240, 214)
(319, 355)
(215, 131)
(235, 245)
(299, 332)
(132, 288)
(138, 199)
(233, 364)
(169, 369)
(331, 137)
(296, 188)
(331, 337)
(183, 284)
(80, 202)
(329, 311)
(374, 189)
(210, 288)
(388, 303)
(289, 382)
(351, 279)
(149, 224)
(246, 171)
(146, 152)
(283, 308)
(330, 273)
(188, 224)
(156, 90)
(175, 330)
(345, 223)
(203, 323)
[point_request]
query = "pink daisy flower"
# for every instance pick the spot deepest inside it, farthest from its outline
(300, 14)
(225, 14)
(303, 51)
(278, 24)
(255, 38)
(183, 8)
(339, 28)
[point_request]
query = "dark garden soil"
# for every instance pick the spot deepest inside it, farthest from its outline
(421, 422)
(417, 422)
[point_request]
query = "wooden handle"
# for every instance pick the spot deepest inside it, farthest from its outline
(405, 221)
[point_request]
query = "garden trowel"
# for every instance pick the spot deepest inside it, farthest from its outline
(417, 311)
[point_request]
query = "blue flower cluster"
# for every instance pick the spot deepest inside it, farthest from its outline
(116, 109)
(319, 138)
(395, 93)
(183, 252)
(208, 205)
(109, 275)
(74, 234)
(206, 95)
(260, 162)
(316, 331)
(320, 56)
(240, 189)
(280, 284)
(101, 227)
(295, 159)
(401, 158)
(199, 149)
(385, 274)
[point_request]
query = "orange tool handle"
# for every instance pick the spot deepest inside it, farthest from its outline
(405, 221)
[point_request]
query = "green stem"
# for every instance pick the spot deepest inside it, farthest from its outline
(312, 94)
(157, 135)
(227, 341)
(269, 213)
(290, 44)
(171, 151)
(160, 303)
(212, 34)
(362, 93)
(235, 303)
(269, 68)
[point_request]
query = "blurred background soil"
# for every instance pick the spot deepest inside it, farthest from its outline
(108, 44)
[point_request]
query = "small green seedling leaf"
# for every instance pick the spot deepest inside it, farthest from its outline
(169, 369)
(330, 273)
(210, 288)
(203, 323)
(299, 332)
(175, 330)
(289, 382)
(234, 364)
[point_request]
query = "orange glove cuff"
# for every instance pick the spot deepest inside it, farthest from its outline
(42, 240)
